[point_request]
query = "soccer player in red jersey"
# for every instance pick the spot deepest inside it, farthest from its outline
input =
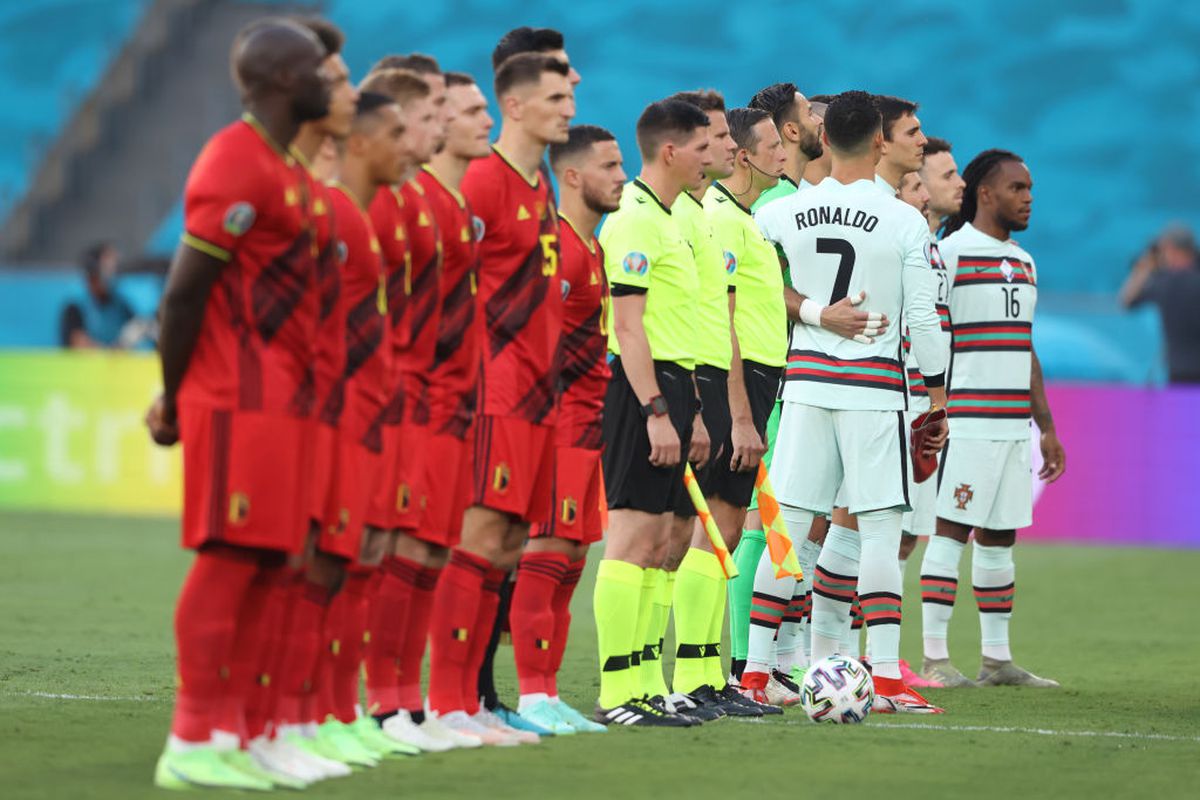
(520, 298)
(238, 324)
(588, 167)
(415, 329)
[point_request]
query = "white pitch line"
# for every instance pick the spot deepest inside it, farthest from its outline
(1162, 737)
(91, 697)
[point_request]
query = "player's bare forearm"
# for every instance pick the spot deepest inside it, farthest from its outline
(636, 359)
(792, 300)
(181, 315)
(1037, 396)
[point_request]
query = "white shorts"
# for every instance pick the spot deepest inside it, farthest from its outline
(820, 450)
(922, 520)
(986, 483)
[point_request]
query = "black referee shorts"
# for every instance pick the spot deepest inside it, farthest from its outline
(630, 480)
(712, 384)
(762, 387)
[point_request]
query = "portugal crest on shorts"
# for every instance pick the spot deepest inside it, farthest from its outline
(570, 510)
(239, 508)
(963, 495)
(501, 477)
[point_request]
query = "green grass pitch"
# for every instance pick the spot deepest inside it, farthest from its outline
(86, 674)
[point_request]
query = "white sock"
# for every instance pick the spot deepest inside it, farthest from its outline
(771, 594)
(788, 651)
(939, 587)
(879, 589)
(177, 745)
(807, 556)
(225, 741)
(834, 580)
(528, 701)
(993, 575)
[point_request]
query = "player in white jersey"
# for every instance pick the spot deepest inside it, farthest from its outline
(940, 175)
(843, 420)
(995, 385)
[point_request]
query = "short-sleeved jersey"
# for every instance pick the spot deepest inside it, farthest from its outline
(520, 295)
(785, 187)
(760, 315)
(842, 239)
(456, 354)
(918, 395)
(711, 342)
(885, 187)
(247, 203)
(992, 298)
(365, 334)
(423, 300)
(645, 253)
(585, 371)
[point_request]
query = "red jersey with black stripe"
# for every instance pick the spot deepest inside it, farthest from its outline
(519, 291)
(366, 332)
(455, 371)
(422, 300)
(387, 217)
(585, 370)
(248, 203)
(330, 347)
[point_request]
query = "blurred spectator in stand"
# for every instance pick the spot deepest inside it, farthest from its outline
(99, 317)
(1167, 274)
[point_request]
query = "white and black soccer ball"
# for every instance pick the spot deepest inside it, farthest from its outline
(837, 689)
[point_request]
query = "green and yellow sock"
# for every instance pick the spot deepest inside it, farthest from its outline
(617, 604)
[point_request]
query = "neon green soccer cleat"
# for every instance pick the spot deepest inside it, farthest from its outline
(338, 740)
(203, 767)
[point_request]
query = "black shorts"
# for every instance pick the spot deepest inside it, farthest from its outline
(762, 386)
(630, 480)
(712, 383)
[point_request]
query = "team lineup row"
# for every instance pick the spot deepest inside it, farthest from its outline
(405, 370)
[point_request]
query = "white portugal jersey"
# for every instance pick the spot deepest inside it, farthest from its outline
(839, 240)
(993, 293)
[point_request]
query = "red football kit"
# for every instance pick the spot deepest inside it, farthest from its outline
(578, 482)
(520, 297)
(361, 387)
(248, 394)
(455, 373)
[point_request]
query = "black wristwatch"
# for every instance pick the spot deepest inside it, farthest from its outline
(657, 407)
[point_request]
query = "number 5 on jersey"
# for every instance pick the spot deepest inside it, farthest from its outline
(549, 254)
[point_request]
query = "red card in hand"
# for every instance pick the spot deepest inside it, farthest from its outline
(923, 427)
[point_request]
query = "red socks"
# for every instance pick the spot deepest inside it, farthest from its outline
(452, 631)
(562, 622)
(389, 613)
(298, 657)
(481, 635)
(416, 634)
(350, 642)
(205, 628)
(247, 707)
(532, 618)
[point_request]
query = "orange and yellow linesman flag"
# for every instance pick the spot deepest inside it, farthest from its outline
(779, 544)
(710, 526)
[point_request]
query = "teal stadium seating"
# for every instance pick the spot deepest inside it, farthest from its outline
(1097, 95)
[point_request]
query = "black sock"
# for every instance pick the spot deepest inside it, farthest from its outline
(736, 666)
(385, 716)
(417, 716)
(487, 679)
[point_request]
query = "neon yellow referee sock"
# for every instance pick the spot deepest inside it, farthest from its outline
(616, 602)
(697, 591)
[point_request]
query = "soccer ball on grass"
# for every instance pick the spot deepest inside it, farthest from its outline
(837, 689)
